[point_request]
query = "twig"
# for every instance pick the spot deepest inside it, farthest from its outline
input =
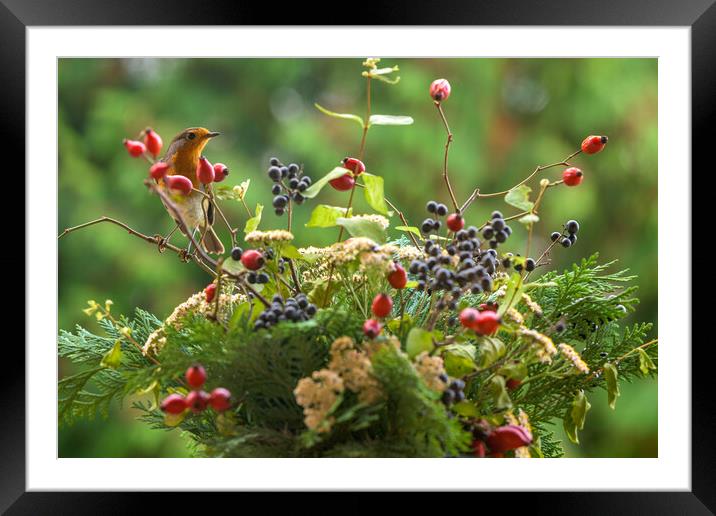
(439, 106)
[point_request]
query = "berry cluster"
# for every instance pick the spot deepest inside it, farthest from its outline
(433, 224)
(289, 182)
(568, 236)
(292, 309)
(197, 400)
(454, 393)
(497, 231)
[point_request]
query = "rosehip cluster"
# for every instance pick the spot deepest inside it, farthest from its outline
(292, 309)
(485, 322)
(497, 231)
(197, 400)
(289, 182)
(454, 393)
(347, 181)
(568, 236)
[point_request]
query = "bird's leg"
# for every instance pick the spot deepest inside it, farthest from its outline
(162, 244)
(188, 250)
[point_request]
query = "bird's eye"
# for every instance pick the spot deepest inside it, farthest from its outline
(191, 136)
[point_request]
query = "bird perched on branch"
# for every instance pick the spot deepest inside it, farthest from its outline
(183, 156)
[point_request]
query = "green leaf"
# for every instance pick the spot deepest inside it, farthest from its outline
(528, 219)
(459, 359)
(645, 362)
(390, 120)
(363, 228)
(491, 350)
(113, 357)
(612, 378)
(290, 251)
(409, 229)
(324, 216)
(513, 294)
(344, 116)
(575, 417)
(514, 371)
(316, 187)
(373, 193)
(254, 221)
(418, 340)
(465, 408)
(520, 198)
(499, 393)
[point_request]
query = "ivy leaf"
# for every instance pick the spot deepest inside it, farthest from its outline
(358, 227)
(645, 362)
(528, 219)
(316, 187)
(113, 357)
(344, 116)
(373, 193)
(491, 350)
(520, 198)
(409, 229)
(418, 340)
(459, 359)
(390, 120)
(254, 221)
(576, 415)
(324, 216)
(612, 378)
(499, 393)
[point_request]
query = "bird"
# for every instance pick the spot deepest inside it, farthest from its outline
(182, 156)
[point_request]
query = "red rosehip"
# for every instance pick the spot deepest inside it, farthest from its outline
(253, 259)
(382, 305)
(220, 172)
(210, 292)
(159, 170)
(487, 323)
(354, 165)
(153, 142)
(593, 144)
(181, 184)
(174, 404)
(372, 328)
(572, 176)
(455, 222)
(512, 384)
(468, 317)
(220, 399)
(197, 401)
(478, 448)
(135, 148)
(343, 183)
(398, 278)
(204, 171)
(195, 376)
(508, 437)
(440, 90)
(488, 306)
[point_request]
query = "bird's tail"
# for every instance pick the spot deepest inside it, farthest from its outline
(211, 242)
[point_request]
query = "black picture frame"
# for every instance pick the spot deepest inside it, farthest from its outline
(700, 15)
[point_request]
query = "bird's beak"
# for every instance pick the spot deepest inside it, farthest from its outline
(211, 135)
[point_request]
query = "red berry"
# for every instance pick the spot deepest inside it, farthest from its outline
(197, 401)
(440, 90)
(468, 316)
(487, 323)
(205, 171)
(372, 328)
(220, 399)
(195, 376)
(181, 184)
(210, 292)
(220, 172)
(382, 305)
(508, 437)
(398, 278)
(343, 183)
(354, 165)
(478, 448)
(455, 222)
(252, 259)
(159, 170)
(512, 384)
(572, 176)
(174, 404)
(593, 144)
(153, 142)
(135, 148)
(488, 306)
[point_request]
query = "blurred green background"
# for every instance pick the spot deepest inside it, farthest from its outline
(508, 116)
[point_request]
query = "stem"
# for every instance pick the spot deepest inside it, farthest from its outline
(439, 106)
